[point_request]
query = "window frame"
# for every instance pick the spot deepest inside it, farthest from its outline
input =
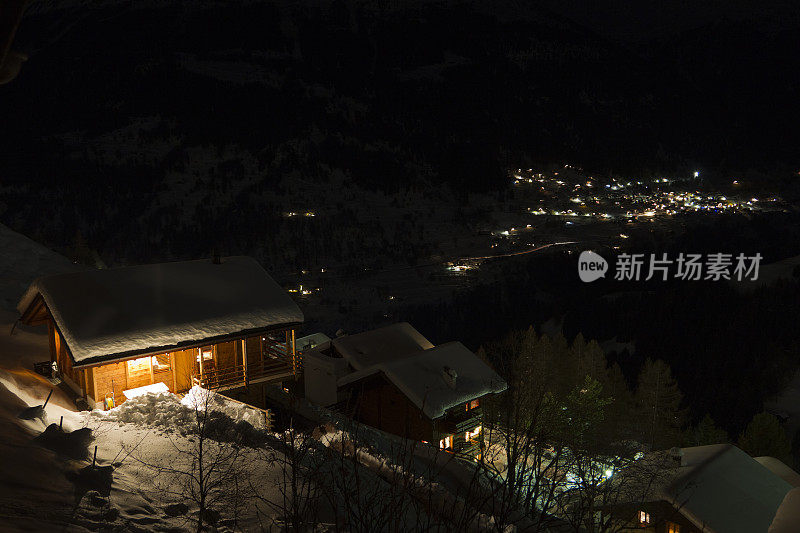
(446, 443)
(157, 366)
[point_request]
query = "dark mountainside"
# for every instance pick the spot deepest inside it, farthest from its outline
(390, 97)
(157, 131)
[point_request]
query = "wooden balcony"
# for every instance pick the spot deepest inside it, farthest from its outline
(460, 422)
(232, 378)
(271, 361)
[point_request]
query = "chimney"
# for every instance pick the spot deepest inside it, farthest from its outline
(449, 376)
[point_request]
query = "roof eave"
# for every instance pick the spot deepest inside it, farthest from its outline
(28, 300)
(144, 352)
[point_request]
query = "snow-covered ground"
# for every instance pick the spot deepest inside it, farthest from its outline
(22, 260)
(139, 440)
(771, 274)
(42, 487)
(147, 448)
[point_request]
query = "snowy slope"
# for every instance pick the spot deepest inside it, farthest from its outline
(34, 493)
(41, 483)
(21, 261)
(38, 492)
(771, 274)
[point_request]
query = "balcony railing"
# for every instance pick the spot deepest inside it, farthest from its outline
(461, 421)
(239, 376)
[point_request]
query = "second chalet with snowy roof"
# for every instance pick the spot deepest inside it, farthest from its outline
(117, 333)
(396, 380)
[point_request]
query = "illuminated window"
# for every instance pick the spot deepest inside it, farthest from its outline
(644, 518)
(446, 443)
(161, 362)
(208, 355)
(672, 527)
(471, 435)
(139, 365)
(469, 406)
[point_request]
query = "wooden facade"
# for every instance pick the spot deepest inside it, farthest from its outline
(230, 364)
(653, 517)
(220, 324)
(377, 402)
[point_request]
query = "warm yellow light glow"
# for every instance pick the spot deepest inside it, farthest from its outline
(207, 354)
(470, 435)
(138, 365)
(160, 362)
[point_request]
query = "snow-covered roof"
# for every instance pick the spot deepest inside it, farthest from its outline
(311, 341)
(22, 261)
(722, 489)
(788, 514)
(417, 368)
(780, 469)
(107, 314)
(388, 343)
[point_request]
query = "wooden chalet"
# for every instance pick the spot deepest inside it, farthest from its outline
(115, 333)
(394, 379)
(716, 488)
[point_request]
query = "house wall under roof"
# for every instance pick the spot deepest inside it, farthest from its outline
(120, 329)
(103, 385)
(653, 517)
(380, 404)
(59, 353)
